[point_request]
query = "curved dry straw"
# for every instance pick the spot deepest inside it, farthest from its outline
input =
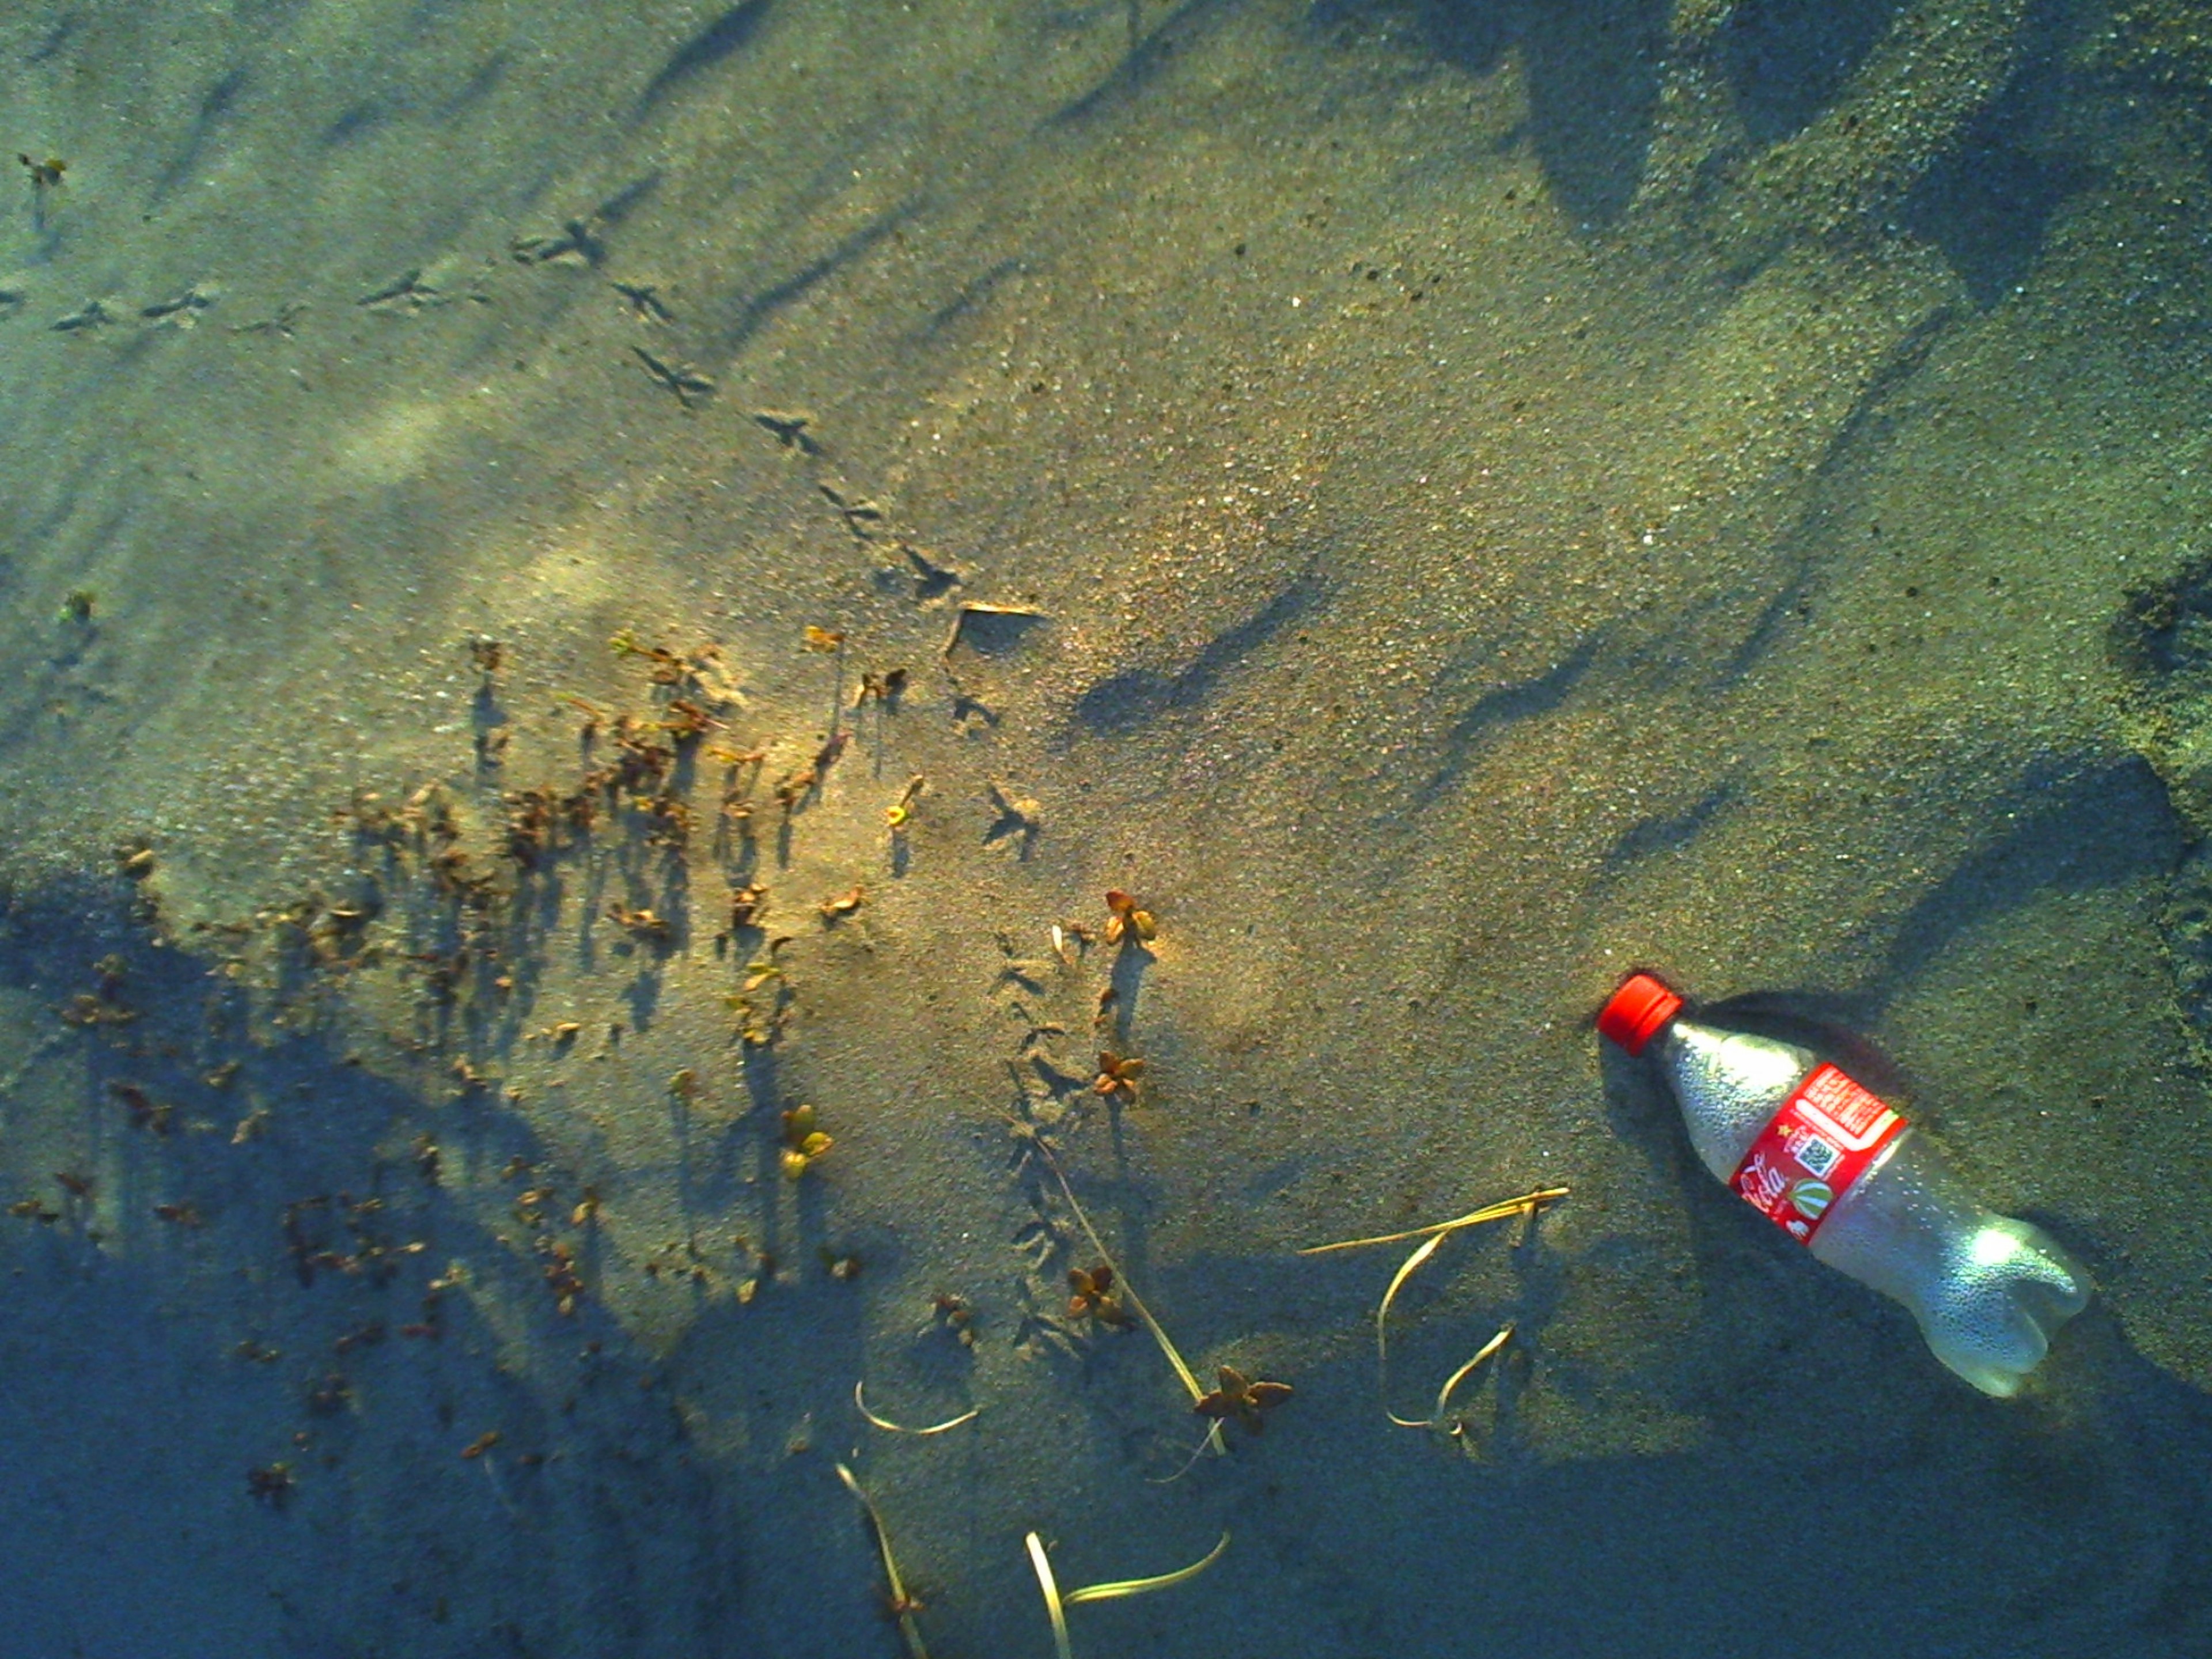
(860, 1404)
(1529, 1206)
(1056, 1604)
(1435, 1417)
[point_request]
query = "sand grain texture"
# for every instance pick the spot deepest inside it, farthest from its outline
(1506, 493)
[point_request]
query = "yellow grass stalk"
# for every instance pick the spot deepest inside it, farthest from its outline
(1527, 1205)
(1128, 1293)
(1407, 1269)
(1121, 1587)
(889, 1427)
(903, 1605)
(1451, 1383)
(1043, 1566)
(1056, 1604)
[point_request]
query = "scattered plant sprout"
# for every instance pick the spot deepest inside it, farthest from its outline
(1090, 1296)
(1117, 1076)
(804, 1145)
(1125, 923)
(1242, 1398)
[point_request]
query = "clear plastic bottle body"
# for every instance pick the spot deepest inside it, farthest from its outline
(1989, 1291)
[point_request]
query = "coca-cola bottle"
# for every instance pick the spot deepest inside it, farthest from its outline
(1837, 1169)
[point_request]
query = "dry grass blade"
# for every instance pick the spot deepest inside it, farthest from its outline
(1051, 1590)
(1056, 1604)
(1451, 1383)
(889, 1427)
(1128, 1294)
(1121, 1587)
(1407, 1269)
(903, 1604)
(1527, 1204)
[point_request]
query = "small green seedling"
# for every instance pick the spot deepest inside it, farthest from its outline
(897, 814)
(765, 970)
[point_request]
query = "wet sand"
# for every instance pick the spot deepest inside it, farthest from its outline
(1474, 498)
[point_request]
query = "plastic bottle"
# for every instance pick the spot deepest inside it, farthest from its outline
(1837, 1169)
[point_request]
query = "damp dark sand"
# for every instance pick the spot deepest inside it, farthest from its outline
(1508, 493)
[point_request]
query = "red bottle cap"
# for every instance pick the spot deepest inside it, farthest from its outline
(1637, 1010)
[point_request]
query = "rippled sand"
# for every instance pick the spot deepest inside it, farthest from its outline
(1440, 502)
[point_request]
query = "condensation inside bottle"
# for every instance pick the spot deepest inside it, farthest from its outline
(1988, 1291)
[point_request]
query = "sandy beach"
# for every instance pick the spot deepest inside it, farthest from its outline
(595, 599)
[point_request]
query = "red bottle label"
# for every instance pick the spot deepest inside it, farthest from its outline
(1827, 1135)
